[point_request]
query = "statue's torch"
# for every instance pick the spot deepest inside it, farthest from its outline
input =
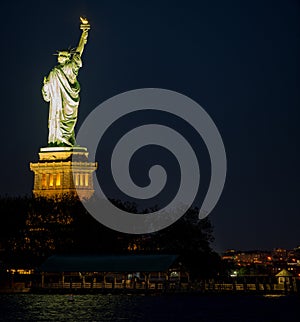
(84, 24)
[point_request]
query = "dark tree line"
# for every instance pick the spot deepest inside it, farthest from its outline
(33, 229)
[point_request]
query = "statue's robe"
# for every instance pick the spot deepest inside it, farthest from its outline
(62, 91)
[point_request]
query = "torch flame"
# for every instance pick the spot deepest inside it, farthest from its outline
(84, 20)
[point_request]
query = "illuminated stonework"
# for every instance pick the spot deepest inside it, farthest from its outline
(61, 171)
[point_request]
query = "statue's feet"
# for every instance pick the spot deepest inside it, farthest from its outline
(66, 143)
(60, 144)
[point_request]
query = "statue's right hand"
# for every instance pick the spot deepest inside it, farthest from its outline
(45, 80)
(85, 35)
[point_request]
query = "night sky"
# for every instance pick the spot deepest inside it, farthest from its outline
(240, 60)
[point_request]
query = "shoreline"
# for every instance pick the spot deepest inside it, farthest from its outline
(144, 292)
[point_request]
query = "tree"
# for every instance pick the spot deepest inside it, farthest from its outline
(37, 228)
(190, 238)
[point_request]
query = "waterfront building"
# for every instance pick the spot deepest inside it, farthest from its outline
(112, 272)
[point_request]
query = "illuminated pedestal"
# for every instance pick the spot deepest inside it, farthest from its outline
(61, 171)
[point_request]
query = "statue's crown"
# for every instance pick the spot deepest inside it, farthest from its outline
(65, 52)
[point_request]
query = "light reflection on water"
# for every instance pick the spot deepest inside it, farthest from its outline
(136, 308)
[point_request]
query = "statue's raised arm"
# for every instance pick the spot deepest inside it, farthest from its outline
(61, 89)
(85, 27)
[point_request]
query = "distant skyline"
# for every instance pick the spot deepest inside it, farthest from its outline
(239, 60)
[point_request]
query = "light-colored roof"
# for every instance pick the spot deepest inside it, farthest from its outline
(284, 273)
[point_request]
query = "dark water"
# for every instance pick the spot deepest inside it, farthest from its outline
(242, 308)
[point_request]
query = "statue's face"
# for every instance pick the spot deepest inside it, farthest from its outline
(62, 57)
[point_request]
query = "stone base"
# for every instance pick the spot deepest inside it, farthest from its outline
(63, 171)
(63, 154)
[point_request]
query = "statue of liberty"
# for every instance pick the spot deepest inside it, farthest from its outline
(61, 89)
